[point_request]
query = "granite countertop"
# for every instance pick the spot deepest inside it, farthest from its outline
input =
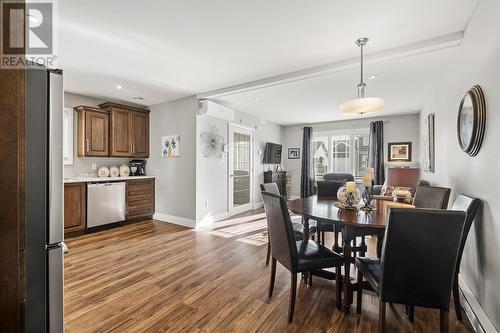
(77, 179)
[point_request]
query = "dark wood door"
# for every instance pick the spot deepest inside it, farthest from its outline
(121, 129)
(96, 133)
(74, 207)
(140, 134)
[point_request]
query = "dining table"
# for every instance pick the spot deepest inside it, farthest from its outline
(352, 223)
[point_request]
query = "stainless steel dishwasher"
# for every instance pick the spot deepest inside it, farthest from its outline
(105, 203)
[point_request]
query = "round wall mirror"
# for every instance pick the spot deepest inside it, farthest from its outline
(471, 121)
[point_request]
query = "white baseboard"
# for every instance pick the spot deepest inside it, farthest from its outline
(212, 218)
(175, 220)
(477, 316)
(257, 205)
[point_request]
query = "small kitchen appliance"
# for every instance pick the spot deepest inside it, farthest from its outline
(137, 167)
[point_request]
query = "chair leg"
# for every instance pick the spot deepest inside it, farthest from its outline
(293, 291)
(273, 275)
(338, 287)
(310, 280)
(411, 313)
(443, 321)
(268, 255)
(359, 293)
(322, 238)
(381, 316)
(456, 298)
(362, 253)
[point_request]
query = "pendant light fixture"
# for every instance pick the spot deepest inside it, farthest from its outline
(362, 104)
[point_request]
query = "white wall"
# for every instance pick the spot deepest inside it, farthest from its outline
(82, 165)
(401, 128)
(175, 176)
(476, 61)
(212, 173)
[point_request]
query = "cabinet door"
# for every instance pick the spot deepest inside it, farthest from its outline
(74, 207)
(121, 128)
(140, 139)
(96, 133)
(140, 198)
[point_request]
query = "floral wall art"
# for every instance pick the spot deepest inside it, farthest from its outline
(170, 145)
(213, 143)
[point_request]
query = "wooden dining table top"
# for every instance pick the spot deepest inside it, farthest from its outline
(325, 210)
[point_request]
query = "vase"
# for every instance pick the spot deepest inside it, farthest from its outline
(343, 197)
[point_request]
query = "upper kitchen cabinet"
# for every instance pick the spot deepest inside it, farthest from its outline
(129, 130)
(93, 131)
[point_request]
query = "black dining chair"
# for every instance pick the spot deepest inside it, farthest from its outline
(470, 206)
(328, 187)
(432, 197)
(298, 227)
(417, 265)
(295, 256)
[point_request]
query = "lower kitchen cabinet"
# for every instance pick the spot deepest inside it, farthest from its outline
(140, 198)
(75, 207)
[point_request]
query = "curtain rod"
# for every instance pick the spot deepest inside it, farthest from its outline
(343, 121)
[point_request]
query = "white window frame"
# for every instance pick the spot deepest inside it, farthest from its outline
(68, 135)
(342, 133)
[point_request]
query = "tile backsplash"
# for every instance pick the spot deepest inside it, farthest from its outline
(82, 166)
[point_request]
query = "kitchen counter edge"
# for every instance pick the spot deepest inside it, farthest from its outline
(70, 180)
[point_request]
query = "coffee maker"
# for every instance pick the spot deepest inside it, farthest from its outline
(137, 167)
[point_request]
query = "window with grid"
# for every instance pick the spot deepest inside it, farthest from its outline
(346, 153)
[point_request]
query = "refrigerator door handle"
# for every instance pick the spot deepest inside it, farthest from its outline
(56, 164)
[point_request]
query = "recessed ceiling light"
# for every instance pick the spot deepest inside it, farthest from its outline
(373, 76)
(257, 98)
(119, 87)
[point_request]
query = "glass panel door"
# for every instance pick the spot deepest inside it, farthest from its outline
(241, 169)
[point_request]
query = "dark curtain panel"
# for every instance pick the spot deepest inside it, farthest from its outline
(376, 153)
(307, 171)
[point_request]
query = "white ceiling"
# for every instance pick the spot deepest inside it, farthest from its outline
(403, 84)
(163, 50)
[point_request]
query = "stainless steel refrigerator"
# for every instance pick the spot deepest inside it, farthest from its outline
(44, 247)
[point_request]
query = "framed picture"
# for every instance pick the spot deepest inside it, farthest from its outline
(170, 145)
(293, 153)
(428, 143)
(399, 152)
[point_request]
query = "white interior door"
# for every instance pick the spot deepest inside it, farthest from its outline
(240, 169)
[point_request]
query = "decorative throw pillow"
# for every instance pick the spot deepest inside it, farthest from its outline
(386, 191)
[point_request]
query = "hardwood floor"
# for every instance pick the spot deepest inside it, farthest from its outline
(157, 277)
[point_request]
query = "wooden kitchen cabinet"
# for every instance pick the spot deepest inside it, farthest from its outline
(129, 130)
(93, 131)
(140, 198)
(75, 207)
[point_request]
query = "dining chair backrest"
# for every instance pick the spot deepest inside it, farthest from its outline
(419, 253)
(270, 187)
(432, 197)
(281, 234)
(470, 206)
